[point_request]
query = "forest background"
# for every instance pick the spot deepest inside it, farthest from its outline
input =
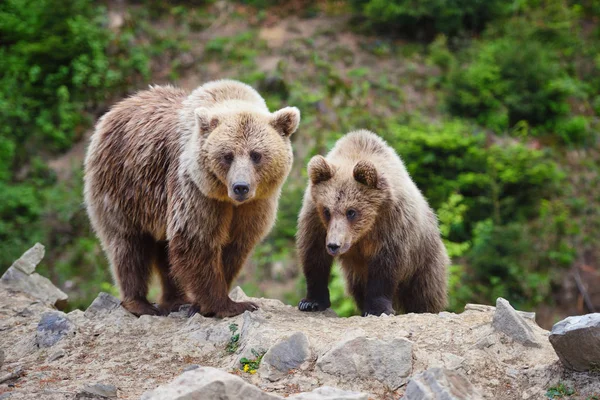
(493, 106)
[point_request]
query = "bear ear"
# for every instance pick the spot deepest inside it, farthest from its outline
(319, 170)
(365, 172)
(206, 122)
(286, 120)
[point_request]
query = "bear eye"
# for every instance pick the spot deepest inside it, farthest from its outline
(228, 158)
(351, 214)
(326, 213)
(255, 157)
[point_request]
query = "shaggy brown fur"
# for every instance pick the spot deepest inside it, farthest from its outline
(362, 207)
(189, 185)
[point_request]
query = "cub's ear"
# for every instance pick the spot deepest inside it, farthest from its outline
(286, 120)
(319, 170)
(206, 122)
(365, 172)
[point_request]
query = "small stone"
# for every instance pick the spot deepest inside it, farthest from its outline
(485, 308)
(208, 383)
(101, 389)
(438, 384)
(452, 361)
(53, 326)
(388, 361)
(191, 367)
(330, 393)
(237, 294)
(576, 341)
(56, 355)
(509, 322)
(30, 259)
(2, 358)
(289, 353)
(104, 302)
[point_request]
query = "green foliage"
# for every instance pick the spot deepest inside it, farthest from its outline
(234, 340)
(251, 365)
(428, 16)
(341, 303)
(559, 391)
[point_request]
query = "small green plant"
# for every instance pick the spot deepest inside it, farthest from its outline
(559, 391)
(234, 340)
(250, 366)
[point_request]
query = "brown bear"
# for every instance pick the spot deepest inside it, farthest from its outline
(186, 185)
(362, 207)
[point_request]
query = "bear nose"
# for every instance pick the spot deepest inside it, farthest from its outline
(333, 248)
(241, 188)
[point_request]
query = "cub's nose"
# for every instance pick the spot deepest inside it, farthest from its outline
(332, 248)
(241, 188)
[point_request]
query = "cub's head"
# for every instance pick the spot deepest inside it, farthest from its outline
(247, 152)
(348, 199)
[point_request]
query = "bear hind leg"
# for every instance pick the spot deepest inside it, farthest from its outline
(424, 293)
(131, 257)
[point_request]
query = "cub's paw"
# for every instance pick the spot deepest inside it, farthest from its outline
(140, 307)
(167, 307)
(378, 307)
(312, 305)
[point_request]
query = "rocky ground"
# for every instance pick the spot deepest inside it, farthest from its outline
(484, 352)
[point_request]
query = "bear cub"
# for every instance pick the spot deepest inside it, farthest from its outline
(362, 207)
(186, 184)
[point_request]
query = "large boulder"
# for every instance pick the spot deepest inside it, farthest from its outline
(508, 321)
(440, 384)
(576, 341)
(388, 361)
(208, 384)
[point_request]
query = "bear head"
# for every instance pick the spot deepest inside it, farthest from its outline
(247, 152)
(348, 199)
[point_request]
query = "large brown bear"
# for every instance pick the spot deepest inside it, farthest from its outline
(187, 184)
(362, 206)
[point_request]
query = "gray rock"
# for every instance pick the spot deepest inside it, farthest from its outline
(330, 393)
(237, 294)
(576, 341)
(53, 326)
(56, 355)
(530, 315)
(289, 353)
(440, 384)
(509, 322)
(101, 389)
(191, 367)
(30, 259)
(208, 383)
(2, 358)
(105, 304)
(21, 277)
(388, 361)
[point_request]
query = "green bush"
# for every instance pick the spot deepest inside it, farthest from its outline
(509, 80)
(430, 16)
(54, 69)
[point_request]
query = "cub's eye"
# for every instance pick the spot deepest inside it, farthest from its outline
(228, 158)
(351, 214)
(326, 213)
(255, 157)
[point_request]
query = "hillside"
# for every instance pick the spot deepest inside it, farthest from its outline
(494, 110)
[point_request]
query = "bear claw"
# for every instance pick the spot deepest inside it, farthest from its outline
(309, 305)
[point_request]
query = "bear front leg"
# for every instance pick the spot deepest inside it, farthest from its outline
(380, 288)
(316, 262)
(197, 267)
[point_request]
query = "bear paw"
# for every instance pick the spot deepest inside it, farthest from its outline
(231, 310)
(311, 305)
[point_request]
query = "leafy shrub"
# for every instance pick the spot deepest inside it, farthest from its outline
(444, 16)
(507, 81)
